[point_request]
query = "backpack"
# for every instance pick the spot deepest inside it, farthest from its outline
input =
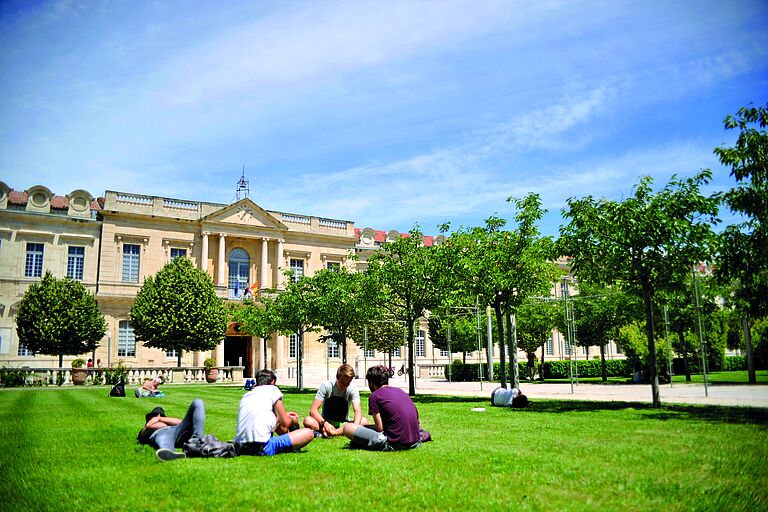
(117, 390)
(249, 384)
(208, 446)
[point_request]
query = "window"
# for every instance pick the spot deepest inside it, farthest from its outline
(333, 266)
(171, 354)
(619, 350)
(178, 253)
(24, 351)
(75, 263)
(126, 341)
(548, 346)
(239, 270)
(293, 345)
(396, 352)
(333, 348)
(420, 350)
(297, 269)
(444, 353)
(34, 264)
(566, 348)
(369, 353)
(131, 257)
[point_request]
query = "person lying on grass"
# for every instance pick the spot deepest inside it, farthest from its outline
(149, 388)
(335, 398)
(395, 418)
(508, 397)
(166, 434)
(262, 413)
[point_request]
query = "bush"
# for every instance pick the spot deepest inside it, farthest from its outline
(12, 378)
(591, 368)
(734, 363)
(116, 374)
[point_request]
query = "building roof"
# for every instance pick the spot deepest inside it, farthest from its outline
(57, 202)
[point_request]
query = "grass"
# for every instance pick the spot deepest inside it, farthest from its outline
(75, 448)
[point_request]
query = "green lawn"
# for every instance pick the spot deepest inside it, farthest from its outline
(734, 377)
(75, 449)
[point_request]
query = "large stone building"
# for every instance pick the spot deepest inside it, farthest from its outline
(112, 243)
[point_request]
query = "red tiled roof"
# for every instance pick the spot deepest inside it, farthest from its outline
(381, 236)
(17, 197)
(57, 202)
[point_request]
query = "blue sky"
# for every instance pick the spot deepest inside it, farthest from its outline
(385, 113)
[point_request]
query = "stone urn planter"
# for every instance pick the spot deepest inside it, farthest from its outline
(79, 373)
(211, 373)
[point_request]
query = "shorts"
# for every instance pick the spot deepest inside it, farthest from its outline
(274, 446)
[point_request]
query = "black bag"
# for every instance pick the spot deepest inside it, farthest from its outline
(117, 390)
(208, 446)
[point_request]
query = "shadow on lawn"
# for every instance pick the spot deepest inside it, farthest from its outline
(713, 413)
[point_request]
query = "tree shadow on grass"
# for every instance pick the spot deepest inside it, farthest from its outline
(713, 413)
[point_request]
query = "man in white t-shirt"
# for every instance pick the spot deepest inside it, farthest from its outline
(335, 399)
(262, 413)
(508, 397)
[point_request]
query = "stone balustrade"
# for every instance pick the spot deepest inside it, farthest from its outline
(135, 377)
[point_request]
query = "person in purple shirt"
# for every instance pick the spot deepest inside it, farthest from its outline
(395, 418)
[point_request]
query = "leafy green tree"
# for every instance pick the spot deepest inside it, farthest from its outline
(599, 312)
(503, 268)
(59, 317)
(406, 273)
(343, 300)
(293, 311)
(462, 330)
(535, 320)
(380, 333)
(178, 309)
(743, 256)
(256, 318)
(646, 241)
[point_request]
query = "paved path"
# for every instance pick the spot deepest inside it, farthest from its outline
(725, 394)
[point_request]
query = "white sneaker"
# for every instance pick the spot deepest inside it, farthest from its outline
(166, 454)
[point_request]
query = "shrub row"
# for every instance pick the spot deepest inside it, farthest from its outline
(550, 369)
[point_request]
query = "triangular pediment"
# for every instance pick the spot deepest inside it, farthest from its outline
(245, 213)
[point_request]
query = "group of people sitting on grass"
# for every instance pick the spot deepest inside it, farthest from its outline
(264, 427)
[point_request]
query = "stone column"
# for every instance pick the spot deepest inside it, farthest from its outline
(222, 260)
(204, 253)
(219, 355)
(279, 262)
(263, 274)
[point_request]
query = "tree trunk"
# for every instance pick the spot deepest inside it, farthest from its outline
(343, 348)
(178, 358)
(684, 353)
(514, 377)
(649, 332)
(61, 360)
(748, 349)
(464, 357)
(502, 355)
(411, 377)
(299, 356)
(541, 367)
(602, 363)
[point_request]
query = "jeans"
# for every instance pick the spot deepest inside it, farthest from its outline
(193, 424)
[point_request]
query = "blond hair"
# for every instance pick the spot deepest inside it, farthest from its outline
(346, 371)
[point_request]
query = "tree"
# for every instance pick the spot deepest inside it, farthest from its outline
(380, 333)
(178, 309)
(59, 317)
(503, 268)
(743, 256)
(342, 301)
(256, 319)
(646, 241)
(599, 312)
(535, 321)
(462, 330)
(294, 314)
(406, 273)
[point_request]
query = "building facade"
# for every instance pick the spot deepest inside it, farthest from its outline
(113, 243)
